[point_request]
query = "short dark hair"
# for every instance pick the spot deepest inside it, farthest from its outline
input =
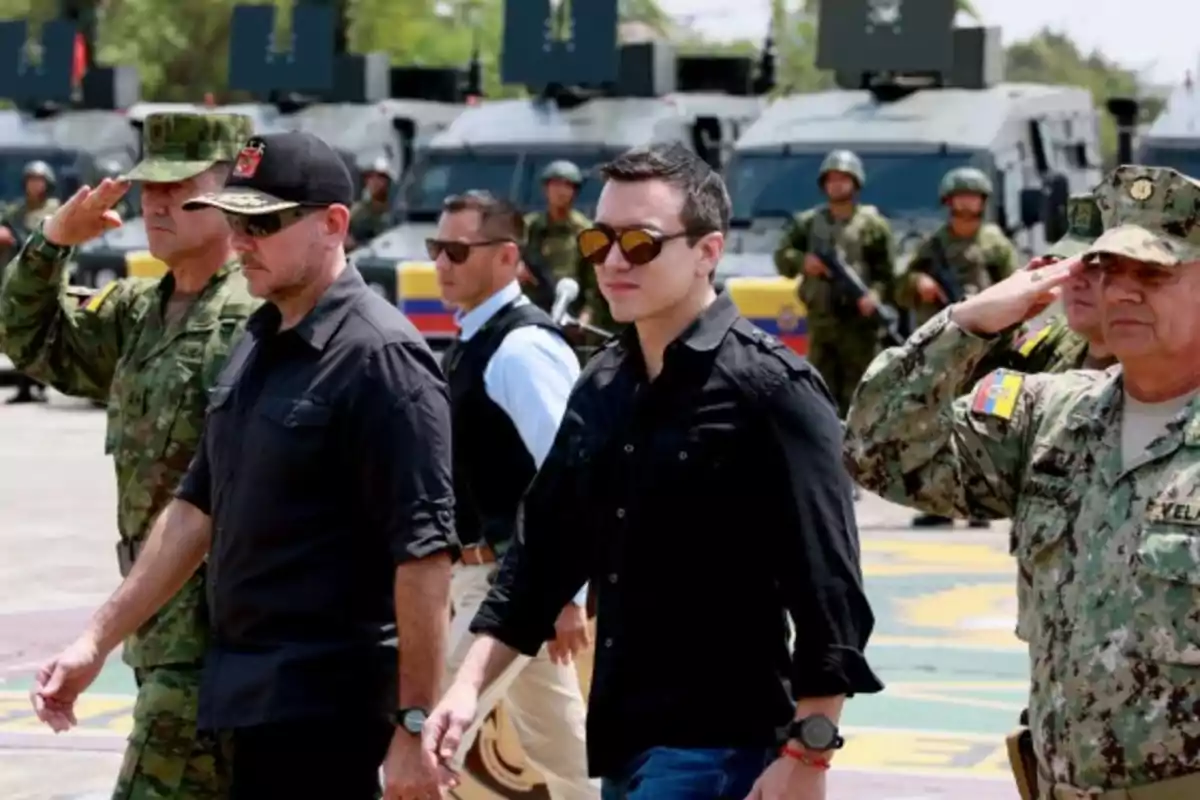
(706, 204)
(498, 218)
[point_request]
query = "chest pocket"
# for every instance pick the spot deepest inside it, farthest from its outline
(1167, 575)
(295, 439)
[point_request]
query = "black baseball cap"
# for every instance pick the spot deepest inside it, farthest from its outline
(277, 171)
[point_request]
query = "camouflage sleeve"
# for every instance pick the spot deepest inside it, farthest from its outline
(914, 438)
(793, 246)
(49, 335)
(905, 286)
(880, 254)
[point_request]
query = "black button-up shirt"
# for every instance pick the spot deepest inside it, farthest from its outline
(325, 463)
(703, 506)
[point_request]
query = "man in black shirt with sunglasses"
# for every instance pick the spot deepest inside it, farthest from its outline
(321, 495)
(697, 691)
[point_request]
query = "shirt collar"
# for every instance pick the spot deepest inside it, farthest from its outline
(705, 333)
(319, 325)
(470, 322)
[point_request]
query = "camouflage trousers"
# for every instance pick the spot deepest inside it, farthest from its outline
(842, 357)
(166, 757)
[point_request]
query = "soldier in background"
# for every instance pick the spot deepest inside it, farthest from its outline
(153, 349)
(373, 213)
(1097, 470)
(975, 253)
(550, 245)
(17, 221)
(842, 339)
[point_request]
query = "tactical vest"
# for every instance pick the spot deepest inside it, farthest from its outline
(492, 467)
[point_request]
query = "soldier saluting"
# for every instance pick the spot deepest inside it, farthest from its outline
(842, 337)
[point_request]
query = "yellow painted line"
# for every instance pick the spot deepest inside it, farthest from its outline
(98, 713)
(909, 751)
(955, 700)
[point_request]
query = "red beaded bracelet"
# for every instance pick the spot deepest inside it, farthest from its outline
(805, 757)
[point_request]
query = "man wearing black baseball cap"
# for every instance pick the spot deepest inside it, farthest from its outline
(321, 493)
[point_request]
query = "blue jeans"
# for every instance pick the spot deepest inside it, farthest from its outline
(674, 773)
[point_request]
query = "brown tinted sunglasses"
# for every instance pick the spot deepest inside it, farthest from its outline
(638, 245)
(456, 252)
(260, 226)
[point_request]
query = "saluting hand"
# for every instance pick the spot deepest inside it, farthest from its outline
(86, 215)
(1021, 296)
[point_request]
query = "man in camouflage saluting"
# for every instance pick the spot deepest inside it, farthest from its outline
(152, 348)
(842, 338)
(550, 238)
(372, 215)
(1098, 470)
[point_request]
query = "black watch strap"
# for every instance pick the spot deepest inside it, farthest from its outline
(411, 720)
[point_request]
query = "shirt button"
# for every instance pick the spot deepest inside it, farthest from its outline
(608, 642)
(683, 455)
(612, 578)
(628, 448)
(620, 513)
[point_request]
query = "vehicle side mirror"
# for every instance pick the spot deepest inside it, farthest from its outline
(1032, 202)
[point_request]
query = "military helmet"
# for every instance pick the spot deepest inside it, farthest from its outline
(965, 180)
(381, 166)
(562, 170)
(843, 161)
(39, 169)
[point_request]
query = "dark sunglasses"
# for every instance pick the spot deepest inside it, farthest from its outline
(456, 252)
(638, 245)
(260, 226)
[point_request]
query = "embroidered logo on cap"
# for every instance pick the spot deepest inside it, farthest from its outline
(1141, 189)
(248, 160)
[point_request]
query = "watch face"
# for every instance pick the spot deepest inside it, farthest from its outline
(413, 720)
(818, 733)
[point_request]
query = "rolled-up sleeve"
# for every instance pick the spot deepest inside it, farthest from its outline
(404, 438)
(818, 557)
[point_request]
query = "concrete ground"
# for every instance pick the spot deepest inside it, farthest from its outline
(943, 644)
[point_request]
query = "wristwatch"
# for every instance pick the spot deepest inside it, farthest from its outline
(411, 719)
(817, 732)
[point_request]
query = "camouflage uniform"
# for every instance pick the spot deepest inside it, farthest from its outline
(155, 371)
(841, 342)
(986, 258)
(370, 218)
(554, 242)
(1049, 345)
(1109, 553)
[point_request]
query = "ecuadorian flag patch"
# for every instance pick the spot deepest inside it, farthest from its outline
(94, 304)
(996, 395)
(1032, 339)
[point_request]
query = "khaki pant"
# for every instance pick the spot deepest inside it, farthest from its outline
(543, 699)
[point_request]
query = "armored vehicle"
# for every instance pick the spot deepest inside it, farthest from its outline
(916, 97)
(1173, 140)
(607, 100)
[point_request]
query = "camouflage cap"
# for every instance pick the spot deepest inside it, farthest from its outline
(1151, 214)
(1084, 226)
(176, 147)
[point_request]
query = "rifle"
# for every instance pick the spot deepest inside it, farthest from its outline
(848, 283)
(542, 292)
(941, 271)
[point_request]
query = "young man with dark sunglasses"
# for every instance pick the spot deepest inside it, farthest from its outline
(510, 371)
(321, 496)
(689, 419)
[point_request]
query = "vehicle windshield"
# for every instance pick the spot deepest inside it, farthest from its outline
(901, 185)
(1185, 160)
(12, 171)
(513, 175)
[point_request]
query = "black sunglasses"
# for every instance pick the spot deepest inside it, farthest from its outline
(638, 245)
(260, 226)
(457, 252)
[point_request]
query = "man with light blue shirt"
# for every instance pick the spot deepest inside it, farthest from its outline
(510, 373)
